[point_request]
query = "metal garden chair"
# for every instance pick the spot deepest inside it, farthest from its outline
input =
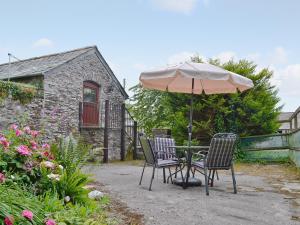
(151, 159)
(218, 157)
(164, 152)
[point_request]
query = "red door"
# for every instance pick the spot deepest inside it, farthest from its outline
(90, 115)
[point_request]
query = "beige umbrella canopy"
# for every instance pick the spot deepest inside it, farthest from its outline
(207, 78)
(194, 78)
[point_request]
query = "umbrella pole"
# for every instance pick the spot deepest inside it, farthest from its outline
(190, 127)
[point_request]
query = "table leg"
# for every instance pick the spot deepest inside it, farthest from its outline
(187, 176)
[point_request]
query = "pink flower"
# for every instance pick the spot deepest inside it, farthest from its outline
(34, 145)
(27, 214)
(50, 222)
(9, 220)
(4, 142)
(34, 133)
(23, 150)
(2, 178)
(14, 127)
(45, 146)
(19, 133)
(27, 130)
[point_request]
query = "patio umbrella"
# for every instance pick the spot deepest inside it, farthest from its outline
(194, 78)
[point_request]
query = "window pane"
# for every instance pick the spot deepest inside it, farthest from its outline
(89, 95)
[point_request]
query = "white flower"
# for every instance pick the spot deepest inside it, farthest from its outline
(53, 176)
(48, 164)
(12, 176)
(61, 167)
(67, 198)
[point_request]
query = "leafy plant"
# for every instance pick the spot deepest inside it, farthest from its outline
(13, 200)
(72, 185)
(70, 153)
(22, 92)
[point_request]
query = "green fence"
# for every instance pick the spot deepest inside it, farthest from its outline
(273, 147)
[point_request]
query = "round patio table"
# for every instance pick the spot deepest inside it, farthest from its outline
(188, 182)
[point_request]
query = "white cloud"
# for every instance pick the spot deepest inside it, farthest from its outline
(279, 56)
(225, 56)
(289, 78)
(180, 6)
(43, 42)
(254, 56)
(180, 57)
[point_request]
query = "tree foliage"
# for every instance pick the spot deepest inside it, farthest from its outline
(252, 112)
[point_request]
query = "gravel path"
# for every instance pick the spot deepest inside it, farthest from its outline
(257, 201)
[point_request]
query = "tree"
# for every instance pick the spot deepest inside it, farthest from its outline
(252, 112)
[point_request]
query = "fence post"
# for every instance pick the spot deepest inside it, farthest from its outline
(123, 132)
(106, 124)
(135, 140)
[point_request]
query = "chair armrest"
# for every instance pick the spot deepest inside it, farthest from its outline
(199, 155)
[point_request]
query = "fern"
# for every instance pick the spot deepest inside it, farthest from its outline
(70, 153)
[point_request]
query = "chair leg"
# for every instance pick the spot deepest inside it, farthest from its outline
(206, 181)
(212, 178)
(217, 174)
(164, 175)
(152, 177)
(233, 180)
(170, 175)
(142, 174)
(181, 168)
(193, 172)
(176, 168)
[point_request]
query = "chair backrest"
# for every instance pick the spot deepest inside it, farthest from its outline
(221, 151)
(147, 149)
(161, 147)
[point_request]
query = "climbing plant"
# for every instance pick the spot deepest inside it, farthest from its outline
(19, 92)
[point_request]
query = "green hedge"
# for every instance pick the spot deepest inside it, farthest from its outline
(21, 92)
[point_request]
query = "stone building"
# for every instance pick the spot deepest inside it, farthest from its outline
(73, 87)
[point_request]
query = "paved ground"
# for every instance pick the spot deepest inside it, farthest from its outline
(268, 199)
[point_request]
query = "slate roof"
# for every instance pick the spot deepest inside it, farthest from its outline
(40, 65)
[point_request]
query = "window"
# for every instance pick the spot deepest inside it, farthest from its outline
(89, 95)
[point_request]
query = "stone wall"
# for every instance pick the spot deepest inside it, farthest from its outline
(14, 112)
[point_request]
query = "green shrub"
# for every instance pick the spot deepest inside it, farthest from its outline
(22, 92)
(72, 185)
(70, 153)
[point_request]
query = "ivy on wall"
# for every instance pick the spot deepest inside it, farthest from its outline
(21, 92)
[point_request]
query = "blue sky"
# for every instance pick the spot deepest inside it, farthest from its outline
(135, 35)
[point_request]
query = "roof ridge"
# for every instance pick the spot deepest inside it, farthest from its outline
(53, 54)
